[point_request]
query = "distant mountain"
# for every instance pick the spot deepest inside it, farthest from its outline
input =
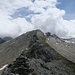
(31, 54)
(7, 38)
(71, 40)
(1, 40)
(68, 40)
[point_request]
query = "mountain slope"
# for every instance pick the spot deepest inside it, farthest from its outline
(67, 50)
(9, 51)
(29, 54)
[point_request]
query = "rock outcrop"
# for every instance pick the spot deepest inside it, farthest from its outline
(29, 54)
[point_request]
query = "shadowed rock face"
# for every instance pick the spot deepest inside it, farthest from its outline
(33, 56)
(20, 67)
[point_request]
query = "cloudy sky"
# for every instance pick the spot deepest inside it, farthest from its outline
(20, 16)
(69, 7)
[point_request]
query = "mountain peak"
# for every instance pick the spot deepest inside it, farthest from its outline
(30, 54)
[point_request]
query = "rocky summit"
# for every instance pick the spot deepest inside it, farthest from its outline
(30, 54)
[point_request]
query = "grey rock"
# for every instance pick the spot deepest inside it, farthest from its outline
(33, 56)
(48, 34)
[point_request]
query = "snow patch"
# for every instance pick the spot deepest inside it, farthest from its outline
(73, 42)
(3, 67)
(67, 41)
(48, 39)
(56, 43)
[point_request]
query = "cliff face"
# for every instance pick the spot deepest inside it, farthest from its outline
(29, 54)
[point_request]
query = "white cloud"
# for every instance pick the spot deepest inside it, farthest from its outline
(49, 18)
(23, 24)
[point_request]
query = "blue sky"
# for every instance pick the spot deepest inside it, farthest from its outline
(69, 7)
(23, 12)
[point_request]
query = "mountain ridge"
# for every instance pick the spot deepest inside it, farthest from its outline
(34, 56)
